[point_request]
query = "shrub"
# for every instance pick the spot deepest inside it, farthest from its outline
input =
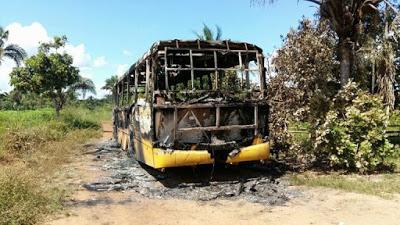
(33, 146)
(78, 118)
(353, 134)
(22, 140)
(25, 119)
(305, 81)
(21, 201)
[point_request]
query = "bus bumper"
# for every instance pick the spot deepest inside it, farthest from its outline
(175, 158)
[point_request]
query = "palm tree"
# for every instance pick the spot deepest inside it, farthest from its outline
(3, 95)
(110, 84)
(10, 51)
(208, 35)
(346, 19)
(84, 85)
(383, 55)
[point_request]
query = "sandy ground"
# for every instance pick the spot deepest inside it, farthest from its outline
(314, 206)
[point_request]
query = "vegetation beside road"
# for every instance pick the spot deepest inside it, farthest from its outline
(34, 145)
(383, 185)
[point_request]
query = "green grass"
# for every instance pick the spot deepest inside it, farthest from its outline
(22, 131)
(81, 118)
(22, 201)
(26, 118)
(34, 144)
(70, 115)
(383, 185)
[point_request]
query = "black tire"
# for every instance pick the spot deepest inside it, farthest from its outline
(115, 127)
(131, 146)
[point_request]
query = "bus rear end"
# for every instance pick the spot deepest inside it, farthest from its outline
(188, 103)
(210, 105)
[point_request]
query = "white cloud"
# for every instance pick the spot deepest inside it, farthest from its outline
(121, 69)
(127, 52)
(5, 69)
(79, 54)
(28, 37)
(86, 72)
(269, 65)
(101, 92)
(100, 61)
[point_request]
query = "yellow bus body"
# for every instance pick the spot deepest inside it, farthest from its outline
(159, 158)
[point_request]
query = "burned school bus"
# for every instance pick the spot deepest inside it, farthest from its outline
(194, 102)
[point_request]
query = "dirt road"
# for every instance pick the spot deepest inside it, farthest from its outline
(137, 195)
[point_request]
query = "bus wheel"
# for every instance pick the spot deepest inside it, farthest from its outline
(131, 145)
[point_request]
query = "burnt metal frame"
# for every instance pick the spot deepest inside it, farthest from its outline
(216, 69)
(217, 107)
(189, 107)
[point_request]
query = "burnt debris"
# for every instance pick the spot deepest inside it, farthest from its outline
(252, 182)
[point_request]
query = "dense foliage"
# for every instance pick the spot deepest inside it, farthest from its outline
(344, 131)
(305, 78)
(48, 73)
(353, 134)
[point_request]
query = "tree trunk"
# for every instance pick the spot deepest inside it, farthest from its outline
(56, 107)
(57, 112)
(346, 61)
(115, 97)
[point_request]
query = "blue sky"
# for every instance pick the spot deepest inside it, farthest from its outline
(107, 36)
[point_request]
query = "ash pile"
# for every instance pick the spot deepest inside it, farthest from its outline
(252, 182)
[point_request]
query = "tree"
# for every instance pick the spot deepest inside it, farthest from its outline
(208, 35)
(382, 54)
(353, 135)
(346, 124)
(110, 85)
(5, 101)
(11, 51)
(49, 73)
(348, 20)
(84, 85)
(305, 78)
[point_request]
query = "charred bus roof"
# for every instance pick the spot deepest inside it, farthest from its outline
(222, 45)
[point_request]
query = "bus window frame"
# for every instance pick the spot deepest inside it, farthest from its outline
(242, 68)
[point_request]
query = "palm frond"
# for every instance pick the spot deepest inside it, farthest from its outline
(199, 36)
(110, 83)
(3, 34)
(207, 33)
(84, 85)
(15, 53)
(3, 37)
(219, 33)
